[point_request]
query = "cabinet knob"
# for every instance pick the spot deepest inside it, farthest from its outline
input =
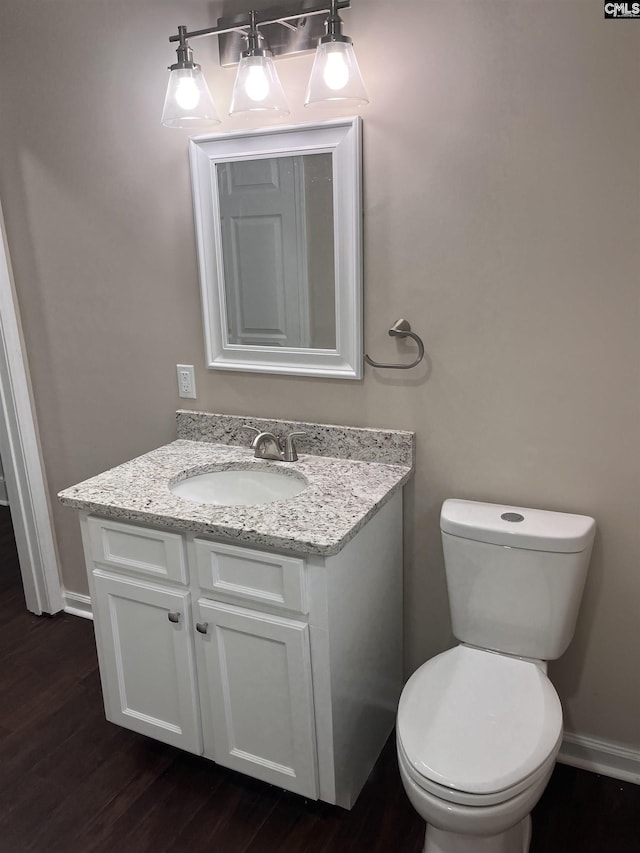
(173, 616)
(202, 627)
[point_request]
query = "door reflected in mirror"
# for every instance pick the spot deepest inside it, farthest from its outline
(279, 234)
(276, 222)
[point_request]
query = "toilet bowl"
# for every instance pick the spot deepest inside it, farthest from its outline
(480, 725)
(500, 828)
(477, 737)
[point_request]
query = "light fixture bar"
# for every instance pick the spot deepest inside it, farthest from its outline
(210, 31)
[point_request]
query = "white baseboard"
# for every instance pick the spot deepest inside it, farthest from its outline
(77, 604)
(600, 756)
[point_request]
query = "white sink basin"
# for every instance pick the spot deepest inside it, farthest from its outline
(239, 487)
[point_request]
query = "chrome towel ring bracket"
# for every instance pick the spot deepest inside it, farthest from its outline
(401, 329)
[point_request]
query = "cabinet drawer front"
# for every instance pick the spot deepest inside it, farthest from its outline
(257, 686)
(252, 575)
(126, 547)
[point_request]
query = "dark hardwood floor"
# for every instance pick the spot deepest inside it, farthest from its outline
(71, 782)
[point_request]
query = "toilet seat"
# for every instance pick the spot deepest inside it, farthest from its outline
(476, 727)
(462, 798)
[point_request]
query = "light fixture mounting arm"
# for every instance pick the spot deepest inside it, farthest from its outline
(334, 27)
(331, 10)
(183, 52)
(254, 39)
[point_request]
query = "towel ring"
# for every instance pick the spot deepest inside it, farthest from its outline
(401, 329)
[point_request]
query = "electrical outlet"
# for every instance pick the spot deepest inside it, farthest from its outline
(186, 380)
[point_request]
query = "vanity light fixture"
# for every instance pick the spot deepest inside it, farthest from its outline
(257, 87)
(188, 102)
(335, 77)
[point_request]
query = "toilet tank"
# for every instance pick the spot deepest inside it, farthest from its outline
(515, 575)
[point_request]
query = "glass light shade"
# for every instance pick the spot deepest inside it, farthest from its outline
(188, 102)
(258, 88)
(335, 76)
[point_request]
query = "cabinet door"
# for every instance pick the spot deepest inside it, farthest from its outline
(256, 686)
(145, 647)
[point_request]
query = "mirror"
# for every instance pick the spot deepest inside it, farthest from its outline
(278, 227)
(276, 221)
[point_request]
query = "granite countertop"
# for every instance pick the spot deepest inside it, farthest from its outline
(341, 496)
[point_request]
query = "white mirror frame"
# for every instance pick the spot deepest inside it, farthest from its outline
(342, 139)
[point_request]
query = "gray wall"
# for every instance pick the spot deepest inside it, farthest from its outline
(501, 216)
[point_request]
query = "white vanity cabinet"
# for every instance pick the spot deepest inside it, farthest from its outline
(284, 667)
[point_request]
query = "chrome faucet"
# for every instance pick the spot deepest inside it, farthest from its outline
(266, 446)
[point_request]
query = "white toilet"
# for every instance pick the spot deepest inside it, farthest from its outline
(479, 726)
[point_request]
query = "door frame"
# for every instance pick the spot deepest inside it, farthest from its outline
(22, 462)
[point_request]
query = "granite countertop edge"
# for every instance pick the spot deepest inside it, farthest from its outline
(115, 493)
(232, 535)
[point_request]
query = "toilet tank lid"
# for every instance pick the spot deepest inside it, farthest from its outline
(517, 527)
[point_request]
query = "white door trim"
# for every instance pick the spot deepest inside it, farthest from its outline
(20, 451)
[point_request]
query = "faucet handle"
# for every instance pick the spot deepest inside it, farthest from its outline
(253, 429)
(290, 454)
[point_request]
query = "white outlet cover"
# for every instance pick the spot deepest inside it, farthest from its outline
(186, 381)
